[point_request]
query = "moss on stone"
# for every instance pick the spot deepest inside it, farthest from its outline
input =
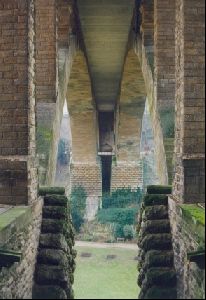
(156, 292)
(150, 200)
(11, 215)
(46, 190)
(192, 211)
(167, 117)
(54, 212)
(157, 242)
(159, 189)
(44, 137)
(53, 226)
(157, 212)
(156, 226)
(159, 259)
(56, 200)
(161, 277)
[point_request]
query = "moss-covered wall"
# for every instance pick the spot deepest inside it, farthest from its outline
(188, 231)
(19, 231)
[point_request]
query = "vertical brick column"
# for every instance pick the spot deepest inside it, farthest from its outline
(46, 80)
(190, 102)
(127, 167)
(147, 29)
(85, 167)
(17, 103)
(164, 81)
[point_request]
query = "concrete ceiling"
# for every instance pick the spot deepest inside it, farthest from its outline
(106, 25)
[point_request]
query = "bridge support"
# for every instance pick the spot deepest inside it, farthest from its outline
(18, 172)
(190, 102)
(127, 167)
(85, 165)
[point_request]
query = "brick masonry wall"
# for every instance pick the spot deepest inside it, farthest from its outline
(158, 76)
(164, 74)
(49, 112)
(126, 171)
(17, 102)
(46, 50)
(190, 102)
(127, 175)
(85, 166)
(186, 238)
(87, 176)
(16, 282)
(147, 29)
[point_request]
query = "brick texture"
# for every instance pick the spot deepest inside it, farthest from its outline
(18, 181)
(13, 77)
(46, 50)
(190, 101)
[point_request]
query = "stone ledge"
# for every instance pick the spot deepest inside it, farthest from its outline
(15, 219)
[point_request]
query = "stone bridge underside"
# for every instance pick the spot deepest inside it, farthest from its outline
(106, 25)
(106, 78)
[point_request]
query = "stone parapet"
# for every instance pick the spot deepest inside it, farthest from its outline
(188, 235)
(19, 231)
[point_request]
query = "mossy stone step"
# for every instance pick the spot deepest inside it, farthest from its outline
(53, 241)
(157, 212)
(161, 277)
(45, 190)
(54, 212)
(157, 242)
(155, 199)
(141, 277)
(156, 292)
(53, 226)
(55, 200)
(159, 259)
(48, 292)
(155, 226)
(159, 189)
(52, 275)
(52, 257)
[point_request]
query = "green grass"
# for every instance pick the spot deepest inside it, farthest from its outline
(193, 211)
(11, 215)
(99, 278)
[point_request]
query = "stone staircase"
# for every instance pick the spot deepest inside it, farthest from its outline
(56, 257)
(157, 276)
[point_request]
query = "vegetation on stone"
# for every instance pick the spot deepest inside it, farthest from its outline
(78, 199)
(195, 212)
(150, 200)
(167, 117)
(159, 189)
(157, 212)
(161, 277)
(53, 226)
(159, 259)
(44, 190)
(157, 242)
(54, 212)
(122, 198)
(156, 292)
(156, 226)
